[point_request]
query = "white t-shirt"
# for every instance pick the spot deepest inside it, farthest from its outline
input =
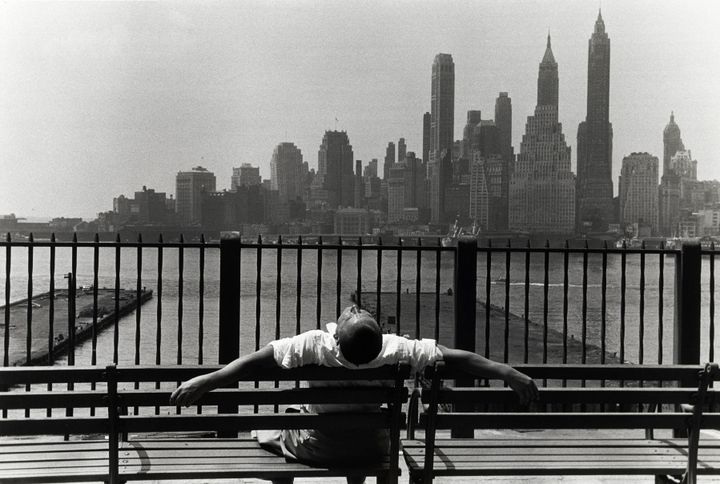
(318, 347)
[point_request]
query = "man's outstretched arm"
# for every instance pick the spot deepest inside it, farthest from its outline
(190, 391)
(476, 365)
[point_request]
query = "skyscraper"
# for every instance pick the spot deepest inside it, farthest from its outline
(671, 184)
(335, 167)
(389, 160)
(401, 150)
(473, 119)
(639, 192)
(547, 93)
(542, 187)
(594, 192)
(426, 137)
(442, 118)
(286, 171)
(672, 142)
(503, 121)
(245, 175)
(189, 189)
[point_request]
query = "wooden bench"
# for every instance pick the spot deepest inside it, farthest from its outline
(142, 429)
(612, 398)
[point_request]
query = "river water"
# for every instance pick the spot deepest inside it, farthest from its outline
(288, 291)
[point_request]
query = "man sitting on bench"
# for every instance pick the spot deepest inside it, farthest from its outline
(355, 341)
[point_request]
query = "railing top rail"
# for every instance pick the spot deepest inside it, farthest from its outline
(346, 243)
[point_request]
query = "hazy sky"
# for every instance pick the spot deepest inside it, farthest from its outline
(98, 99)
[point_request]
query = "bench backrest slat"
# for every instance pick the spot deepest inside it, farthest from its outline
(54, 426)
(177, 423)
(564, 420)
(581, 372)
(483, 395)
(53, 399)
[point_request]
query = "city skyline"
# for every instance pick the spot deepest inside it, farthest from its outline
(91, 97)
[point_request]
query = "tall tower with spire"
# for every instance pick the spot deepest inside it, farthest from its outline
(547, 94)
(542, 185)
(594, 140)
(672, 142)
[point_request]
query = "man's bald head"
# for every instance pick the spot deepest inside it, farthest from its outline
(358, 336)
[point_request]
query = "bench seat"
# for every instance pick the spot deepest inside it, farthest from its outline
(559, 456)
(25, 461)
(217, 458)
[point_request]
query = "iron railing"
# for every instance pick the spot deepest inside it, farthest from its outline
(517, 304)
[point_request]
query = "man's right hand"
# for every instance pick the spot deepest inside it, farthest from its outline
(190, 391)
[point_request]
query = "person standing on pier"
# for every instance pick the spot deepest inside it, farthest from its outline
(355, 341)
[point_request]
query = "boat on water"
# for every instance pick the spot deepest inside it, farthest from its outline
(450, 240)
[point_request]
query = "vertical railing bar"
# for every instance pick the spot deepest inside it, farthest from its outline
(298, 283)
(526, 343)
(566, 284)
(96, 269)
(488, 279)
(28, 319)
(438, 256)
(418, 271)
(28, 334)
(623, 264)
(201, 304)
(180, 307)
(116, 328)
(73, 268)
(546, 285)
(318, 307)
(138, 305)
(398, 287)
(338, 278)
(379, 283)
(711, 356)
(278, 285)
(584, 305)
(181, 284)
(661, 289)
(258, 290)
(358, 284)
(278, 295)
(641, 326)
(298, 292)
(6, 336)
(258, 305)
(603, 306)
(51, 318)
(158, 314)
(506, 348)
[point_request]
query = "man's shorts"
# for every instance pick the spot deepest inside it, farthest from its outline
(326, 447)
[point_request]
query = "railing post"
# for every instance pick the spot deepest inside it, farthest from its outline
(687, 304)
(229, 330)
(465, 308)
(229, 324)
